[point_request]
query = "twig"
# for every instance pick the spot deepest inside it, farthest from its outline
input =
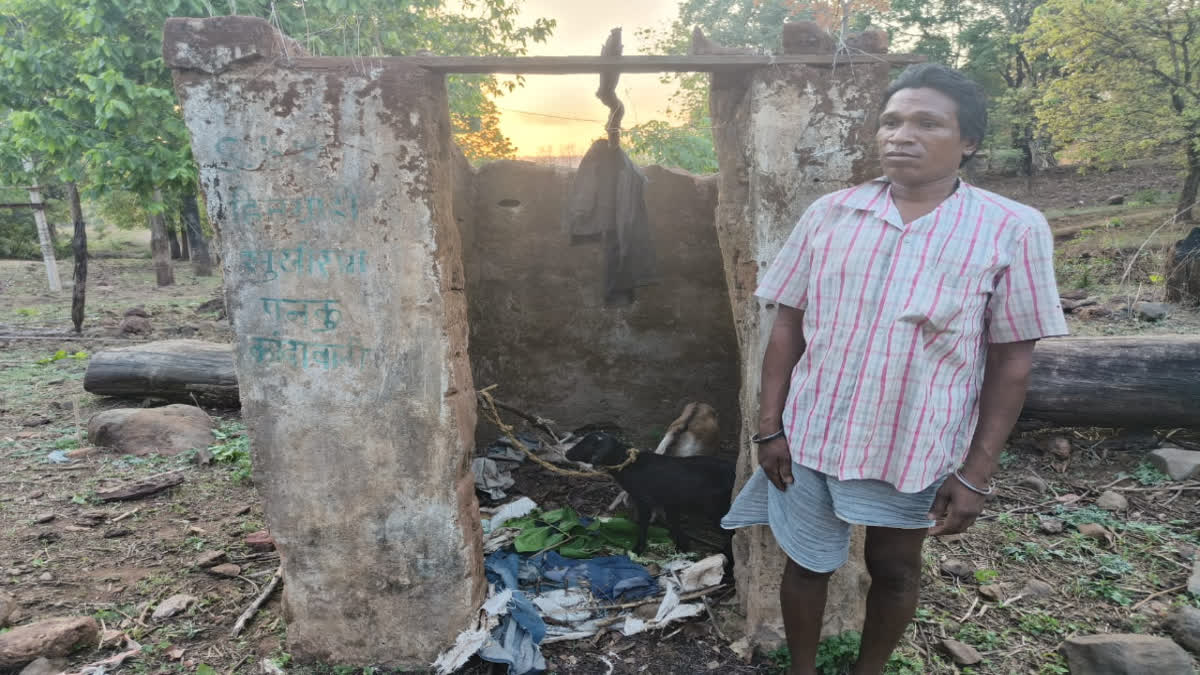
(127, 514)
(240, 625)
(683, 598)
(1152, 596)
(238, 664)
(1161, 488)
(969, 610)
(536, 420)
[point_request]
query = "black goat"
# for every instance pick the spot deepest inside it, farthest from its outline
(701, 485)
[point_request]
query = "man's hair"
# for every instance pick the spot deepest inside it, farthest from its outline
(971, 100)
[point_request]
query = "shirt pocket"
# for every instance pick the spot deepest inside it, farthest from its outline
(946, 302)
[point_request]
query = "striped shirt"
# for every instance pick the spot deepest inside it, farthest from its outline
(897, 322)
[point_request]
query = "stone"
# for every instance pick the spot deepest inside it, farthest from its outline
(1151, 311)
(44, 666)
(42, 518)
(209, 559)
(46, 577)
(173, 605)
(1124, 654)
(1049, 525)
(1095, 531)
(1193, 585)
(384, 541)
(225, 570)
(50, 638)
(111, 637)
(1111, 500)
(1115, 200)
(1034, 483)
(961, 653)
(772, 170)
(996, 592)
(1093, 312)
(1036, 588)
(168, 430)
(1183, 623)
(35, 421)
(1176, 462)
(260, 541)
(137, 311)
(1074, 294)
(8, 607)
(135, 325)
(957, 568)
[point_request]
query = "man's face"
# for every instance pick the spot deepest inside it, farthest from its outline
(918, 139)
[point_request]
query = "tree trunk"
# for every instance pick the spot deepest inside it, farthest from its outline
(1150, 381)
(175, 370)
(185, 252)
(1191, 185)
(1182, 277)
(159, 248)
(79, 247)
(173, 240)
(190, 215)
(1109, 382)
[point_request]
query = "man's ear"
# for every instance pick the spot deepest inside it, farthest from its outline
(970, 148)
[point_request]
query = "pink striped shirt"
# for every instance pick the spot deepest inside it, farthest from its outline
(897, 321)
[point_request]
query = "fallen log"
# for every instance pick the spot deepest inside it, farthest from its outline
(1143, 381)
(181, 371)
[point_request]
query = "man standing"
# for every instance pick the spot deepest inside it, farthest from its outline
(909, 307)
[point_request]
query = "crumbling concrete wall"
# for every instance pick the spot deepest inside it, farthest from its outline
(540, 327)
(329, 180)
(785, 137)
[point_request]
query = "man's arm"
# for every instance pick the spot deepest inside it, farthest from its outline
(1005, 381)
(784, 349)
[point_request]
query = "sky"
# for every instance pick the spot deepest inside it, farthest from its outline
(583, 26)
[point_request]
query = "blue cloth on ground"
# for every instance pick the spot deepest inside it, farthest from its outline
(613, 577)
(515, 641)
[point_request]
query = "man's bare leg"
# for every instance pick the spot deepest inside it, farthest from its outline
(802, 598)
(893, 559)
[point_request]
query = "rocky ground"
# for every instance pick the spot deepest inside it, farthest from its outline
(1087, 537)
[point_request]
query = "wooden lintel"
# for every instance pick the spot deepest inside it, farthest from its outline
(568, 65)
(23, 205)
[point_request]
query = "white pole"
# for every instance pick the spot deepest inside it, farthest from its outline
(43, 230)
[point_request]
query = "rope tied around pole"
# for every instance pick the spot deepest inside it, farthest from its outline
(489, 405)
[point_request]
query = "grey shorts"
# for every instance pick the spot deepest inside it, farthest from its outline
(811, 519)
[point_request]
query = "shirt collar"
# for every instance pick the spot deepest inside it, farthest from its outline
(875, 196)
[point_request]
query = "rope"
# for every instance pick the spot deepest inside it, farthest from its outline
(489, 404)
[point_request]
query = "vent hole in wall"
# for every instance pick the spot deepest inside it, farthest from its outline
(510, 203)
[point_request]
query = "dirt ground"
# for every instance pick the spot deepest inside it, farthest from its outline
(116, 561)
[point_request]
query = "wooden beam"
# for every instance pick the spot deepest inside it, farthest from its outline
(568, 65)
(23, 205)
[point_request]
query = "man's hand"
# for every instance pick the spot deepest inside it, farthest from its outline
(775, 458)
(955, 507)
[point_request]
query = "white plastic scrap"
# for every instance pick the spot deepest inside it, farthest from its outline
(518, 508)
(703, 573)
(469, 641)
(568, 605)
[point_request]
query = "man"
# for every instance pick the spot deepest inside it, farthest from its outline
(908, 311)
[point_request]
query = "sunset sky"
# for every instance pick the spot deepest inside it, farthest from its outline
(583, 27)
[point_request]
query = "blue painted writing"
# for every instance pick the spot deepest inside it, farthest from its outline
(339, 205)
(304, 354)
(301, 260)
(296, 311)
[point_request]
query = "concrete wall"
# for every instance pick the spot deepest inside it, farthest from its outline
(330, 183)
(539, 324)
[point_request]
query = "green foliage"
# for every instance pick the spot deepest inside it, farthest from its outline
(1148, 474)
(233, 448)
(60, 355)
(1040, 623)
(1127, 87)
(837, 654)
(562, 529)
(982, 638)
(1107, 590)
(683, 147)
(986, 576)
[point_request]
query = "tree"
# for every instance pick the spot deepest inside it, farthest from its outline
(1130, 85)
